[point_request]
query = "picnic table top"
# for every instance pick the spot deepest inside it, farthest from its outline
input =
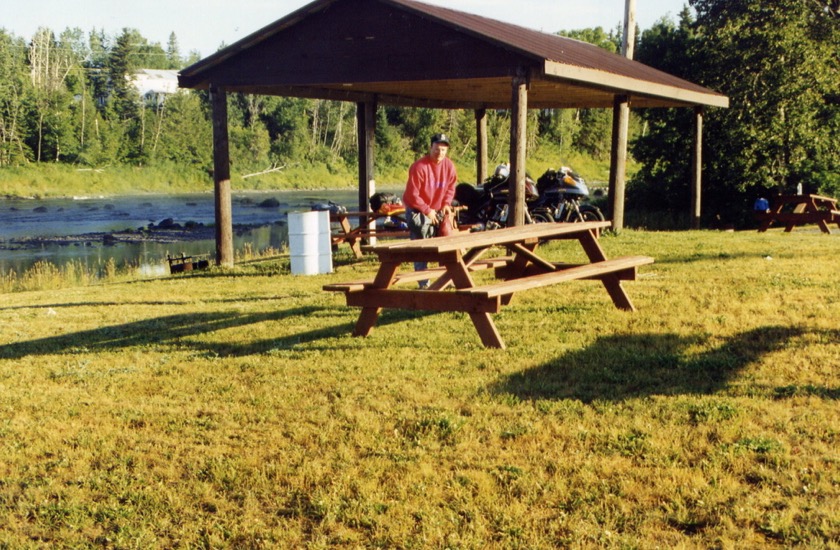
(505, 235)
(805, 198)
(364, 214)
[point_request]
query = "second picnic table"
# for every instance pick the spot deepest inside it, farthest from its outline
(353, 235)
(461, 254)
(793, 210)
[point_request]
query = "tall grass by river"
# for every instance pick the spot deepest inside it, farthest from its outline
(50, 275)
(231, 408)
(60, 180)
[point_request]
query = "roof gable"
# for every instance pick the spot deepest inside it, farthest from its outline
(408, 52)
(345, 42)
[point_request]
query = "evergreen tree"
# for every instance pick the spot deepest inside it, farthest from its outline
(173, 54)
(288, 127)
(96, 66)
(185, 135)
(124, 101)
(121, 67)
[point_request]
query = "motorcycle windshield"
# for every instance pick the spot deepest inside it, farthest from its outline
(580, 189)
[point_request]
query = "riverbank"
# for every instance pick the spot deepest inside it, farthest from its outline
(56, 180)
(51, 180)
(175, 233)
(144, 229)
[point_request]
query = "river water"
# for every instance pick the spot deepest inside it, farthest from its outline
(22, 218)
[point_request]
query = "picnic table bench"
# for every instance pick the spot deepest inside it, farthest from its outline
(354, 233)
(460, 255)
(793, 210)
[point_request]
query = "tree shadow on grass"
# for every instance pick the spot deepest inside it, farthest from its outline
(170, 329)
(635, 365)
(290, 341)
(179, 330)
(57, 305)
(682, 259)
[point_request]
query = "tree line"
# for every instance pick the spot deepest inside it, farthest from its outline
(67, 98)
(779, 63)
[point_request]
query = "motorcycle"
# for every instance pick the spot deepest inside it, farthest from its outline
(561, 195)
(486, 206)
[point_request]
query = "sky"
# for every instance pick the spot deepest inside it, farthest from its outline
(205, 25)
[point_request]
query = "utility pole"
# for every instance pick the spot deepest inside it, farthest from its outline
(629, 41)
(621, 114)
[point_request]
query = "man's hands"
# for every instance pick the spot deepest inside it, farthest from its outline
(437, 217)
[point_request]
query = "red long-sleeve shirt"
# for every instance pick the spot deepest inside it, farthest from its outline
(431, 185)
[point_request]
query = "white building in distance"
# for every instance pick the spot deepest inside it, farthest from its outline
(154, 85)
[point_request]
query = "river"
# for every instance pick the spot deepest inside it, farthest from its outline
(42, 219)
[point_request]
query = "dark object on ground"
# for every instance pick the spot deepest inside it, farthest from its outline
(269, 203)
(182, 263)
(168, 223)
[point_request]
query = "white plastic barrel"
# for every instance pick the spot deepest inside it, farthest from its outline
(310, 247)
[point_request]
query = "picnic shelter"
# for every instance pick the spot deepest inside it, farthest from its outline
(409, 53)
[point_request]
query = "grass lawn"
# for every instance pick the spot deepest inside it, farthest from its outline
(232, 408)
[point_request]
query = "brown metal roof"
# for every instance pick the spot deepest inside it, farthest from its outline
(409, 53)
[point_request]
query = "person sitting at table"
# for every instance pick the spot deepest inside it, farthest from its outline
(429, 193)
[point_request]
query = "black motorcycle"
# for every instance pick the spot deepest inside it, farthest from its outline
(486, 206)
(561, 195)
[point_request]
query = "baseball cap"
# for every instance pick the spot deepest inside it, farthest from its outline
(440, 138)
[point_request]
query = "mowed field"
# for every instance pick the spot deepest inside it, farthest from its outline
(232, 409)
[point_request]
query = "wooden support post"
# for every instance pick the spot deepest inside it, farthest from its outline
(697, 168)
(366, 124)
(221, 178)
(481, 145)
(621, 123)
(618, 160)
(518, 128)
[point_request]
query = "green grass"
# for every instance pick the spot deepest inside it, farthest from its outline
(59, 180)
(232, 408)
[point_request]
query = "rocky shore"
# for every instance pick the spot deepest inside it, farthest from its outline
(165, 232)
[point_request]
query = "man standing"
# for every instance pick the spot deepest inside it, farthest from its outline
(429, 193)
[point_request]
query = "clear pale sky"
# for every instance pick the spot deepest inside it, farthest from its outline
(204, 25)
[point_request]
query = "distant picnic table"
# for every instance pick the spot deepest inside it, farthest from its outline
(354, 227)
(793, 210)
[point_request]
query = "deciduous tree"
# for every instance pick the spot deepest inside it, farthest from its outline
(778, 63)
(15, 93)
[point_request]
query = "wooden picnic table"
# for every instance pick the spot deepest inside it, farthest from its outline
(462, 254)
(354, 227)
(793, 210)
